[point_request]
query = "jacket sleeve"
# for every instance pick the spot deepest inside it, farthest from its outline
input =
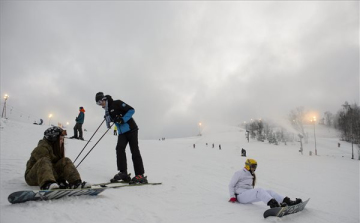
(233, 182)
(128, 115)
(124, 108)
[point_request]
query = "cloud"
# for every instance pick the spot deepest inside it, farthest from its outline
(178, 63)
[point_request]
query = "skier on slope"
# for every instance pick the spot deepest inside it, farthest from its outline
(79, 123)
(121, 114)
(48, 167)
(242, 189)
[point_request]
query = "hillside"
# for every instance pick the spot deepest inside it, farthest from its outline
(195, 181)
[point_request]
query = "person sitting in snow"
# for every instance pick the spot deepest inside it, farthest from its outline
(48, 167)
(242, 189)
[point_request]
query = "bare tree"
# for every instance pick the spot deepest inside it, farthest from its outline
(328, 118)
(297, 118)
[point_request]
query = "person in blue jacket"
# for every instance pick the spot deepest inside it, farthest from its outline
(121, 114)
(78, 126)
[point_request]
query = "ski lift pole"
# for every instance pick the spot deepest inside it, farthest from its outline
(89, 140)
(94, 145)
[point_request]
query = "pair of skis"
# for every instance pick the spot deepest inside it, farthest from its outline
(41, 195)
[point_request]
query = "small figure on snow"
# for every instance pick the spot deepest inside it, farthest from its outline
(121, 114)
(243, 152)
(48, 167)
(242, 189)
(78, 126)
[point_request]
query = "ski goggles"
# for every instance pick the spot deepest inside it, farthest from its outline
(254, 166)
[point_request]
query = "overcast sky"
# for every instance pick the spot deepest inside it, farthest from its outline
(179, 63)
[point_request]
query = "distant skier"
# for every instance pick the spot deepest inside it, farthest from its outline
(243, 152)
(121, 114)
(78, 126)
(242, 189)
(48, 167)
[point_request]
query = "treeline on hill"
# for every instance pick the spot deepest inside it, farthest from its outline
(265, 130)
(346, 120)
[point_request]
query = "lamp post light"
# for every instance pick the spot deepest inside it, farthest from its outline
(4, 109)
(50, 118)
(313, 120)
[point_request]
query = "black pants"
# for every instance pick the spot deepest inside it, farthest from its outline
(78, 127)
(123, 140)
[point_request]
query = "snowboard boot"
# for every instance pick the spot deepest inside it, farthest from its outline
(73, 137)
(49, 186)
(81, 138)
(63, 184)
(80, 185)
(139, 179)
(290, 202)
(121, 176)
(273, 203)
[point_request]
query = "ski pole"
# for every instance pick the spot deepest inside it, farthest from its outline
(94, 145)
(89, 140)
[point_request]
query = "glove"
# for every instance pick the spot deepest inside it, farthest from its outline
(119, 120)
(233, 200)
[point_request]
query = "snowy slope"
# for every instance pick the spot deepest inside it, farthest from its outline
(195, 181)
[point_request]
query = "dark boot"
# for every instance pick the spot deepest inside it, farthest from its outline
(138, 179)
(273, 203)
(290, 202)
(121, 176)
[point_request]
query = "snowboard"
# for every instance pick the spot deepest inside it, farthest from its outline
(282, 211)
(36, 195)
(43, 195)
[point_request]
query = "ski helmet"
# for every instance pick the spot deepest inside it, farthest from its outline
(53, 133)
(99, 97)
(250, 163)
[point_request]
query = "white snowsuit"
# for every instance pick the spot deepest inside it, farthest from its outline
(241, 187)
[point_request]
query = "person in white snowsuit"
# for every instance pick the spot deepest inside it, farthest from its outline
(242, 189)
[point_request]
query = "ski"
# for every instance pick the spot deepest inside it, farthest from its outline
(117, 185)
(85, 140)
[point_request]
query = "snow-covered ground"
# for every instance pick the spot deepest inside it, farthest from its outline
(195, 181)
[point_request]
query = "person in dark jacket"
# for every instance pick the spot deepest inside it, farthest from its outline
(78, 126)
(121, 114)
(48, 167)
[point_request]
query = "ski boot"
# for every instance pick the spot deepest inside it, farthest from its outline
(139, 179)
(290, 202)
(121, 176)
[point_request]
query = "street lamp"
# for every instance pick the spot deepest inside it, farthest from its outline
(50, 118)
(4, 109)
(313, 120)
